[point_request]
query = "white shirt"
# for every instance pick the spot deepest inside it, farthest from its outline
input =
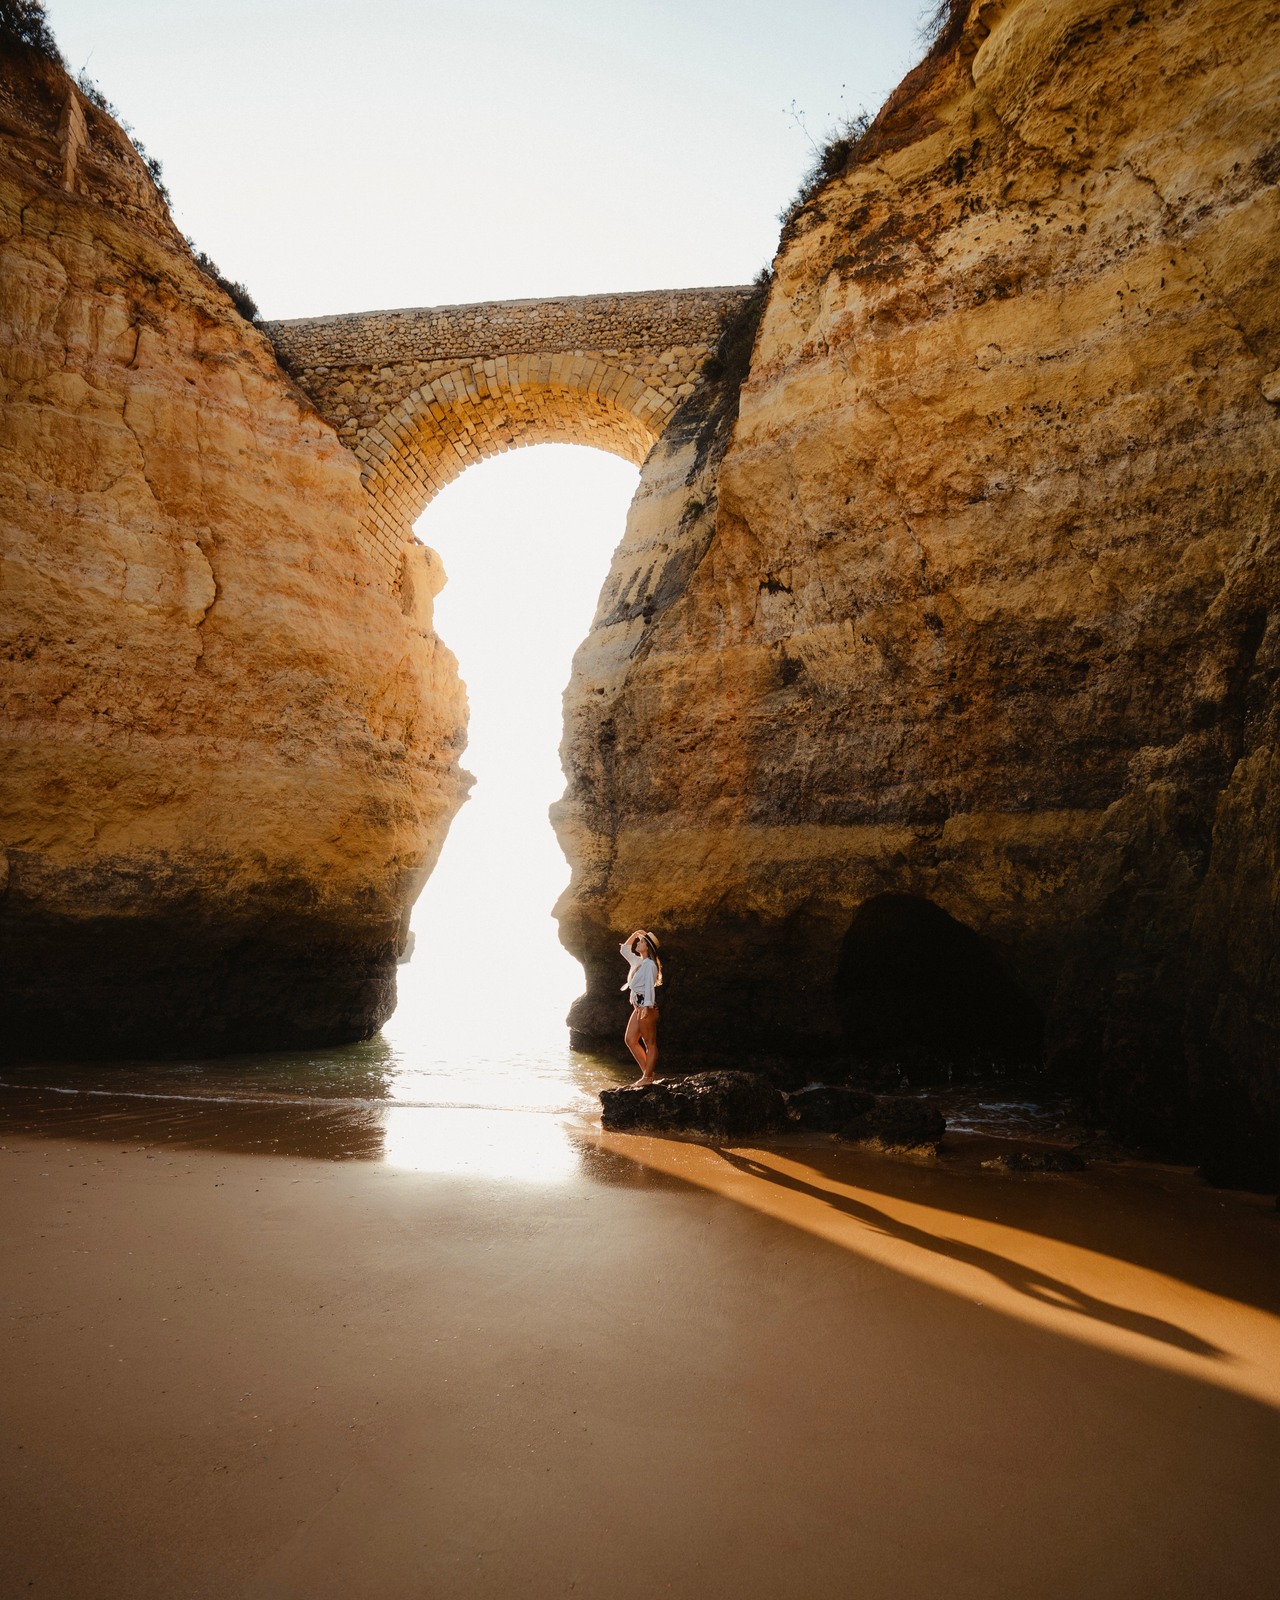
(641, 978)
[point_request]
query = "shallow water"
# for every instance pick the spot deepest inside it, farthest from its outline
(469, 1077)
(393, 1099)
(387, 1099)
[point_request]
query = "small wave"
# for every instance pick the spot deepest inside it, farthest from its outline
(297, 1100)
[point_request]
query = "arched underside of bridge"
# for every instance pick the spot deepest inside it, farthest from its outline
(480, 409)
(420, 394)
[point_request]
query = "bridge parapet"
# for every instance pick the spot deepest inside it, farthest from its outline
(420, 394)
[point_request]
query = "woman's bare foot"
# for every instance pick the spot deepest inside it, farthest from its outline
(643, 1083)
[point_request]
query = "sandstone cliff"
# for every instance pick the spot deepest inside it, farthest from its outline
(931, 709)
(229, 749)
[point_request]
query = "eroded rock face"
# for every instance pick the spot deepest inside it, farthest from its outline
(229, 748)
(974, 606)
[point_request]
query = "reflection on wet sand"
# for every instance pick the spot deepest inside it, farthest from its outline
(470, 1325)
(675, 1369)
(1101, 1273)
(341, 1132)
(499, 1119)
(1032, 1281)
(516, 1146)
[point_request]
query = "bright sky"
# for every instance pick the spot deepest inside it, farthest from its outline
(371, 153)
(377, 153)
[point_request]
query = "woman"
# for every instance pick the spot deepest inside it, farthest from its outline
(644, 977)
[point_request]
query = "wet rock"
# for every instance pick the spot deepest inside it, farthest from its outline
(879, 1077)
(720, 1103)
(890, 1122)
(828, 1108)
(1032, 1160)
(895, 1122)
(790, 1073)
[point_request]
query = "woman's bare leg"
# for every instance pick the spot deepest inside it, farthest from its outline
(634, 1045)
(648, 1029)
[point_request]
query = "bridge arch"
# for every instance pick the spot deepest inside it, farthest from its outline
(479, 409)
(420, 394)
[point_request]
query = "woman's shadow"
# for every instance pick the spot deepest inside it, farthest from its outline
(1025, 1280)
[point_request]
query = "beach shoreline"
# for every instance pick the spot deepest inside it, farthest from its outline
(677, 1369)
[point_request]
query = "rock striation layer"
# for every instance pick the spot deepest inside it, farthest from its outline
(930, 709)
(229, 745)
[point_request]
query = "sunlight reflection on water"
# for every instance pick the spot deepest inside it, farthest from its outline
(521, 1146)
(454, 1086)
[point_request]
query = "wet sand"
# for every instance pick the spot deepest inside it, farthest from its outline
(658, 1369)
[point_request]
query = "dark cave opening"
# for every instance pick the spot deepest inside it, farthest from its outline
(922, 991)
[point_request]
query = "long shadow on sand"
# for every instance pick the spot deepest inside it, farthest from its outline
(1023, 1279)
(1112, 1211)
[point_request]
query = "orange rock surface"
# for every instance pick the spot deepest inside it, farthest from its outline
(934, 709)
(229, 749)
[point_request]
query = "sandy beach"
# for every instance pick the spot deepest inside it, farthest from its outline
(749, 531)
(663, 1369)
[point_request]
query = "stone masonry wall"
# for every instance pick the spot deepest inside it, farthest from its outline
(418, 395)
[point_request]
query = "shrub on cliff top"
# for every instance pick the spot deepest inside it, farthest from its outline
(943, 25)
(155, 171)
(24, 22)
(939, 30)
(243, 301)
(830, 160)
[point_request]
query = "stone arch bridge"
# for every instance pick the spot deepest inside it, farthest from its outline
(419, 395)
